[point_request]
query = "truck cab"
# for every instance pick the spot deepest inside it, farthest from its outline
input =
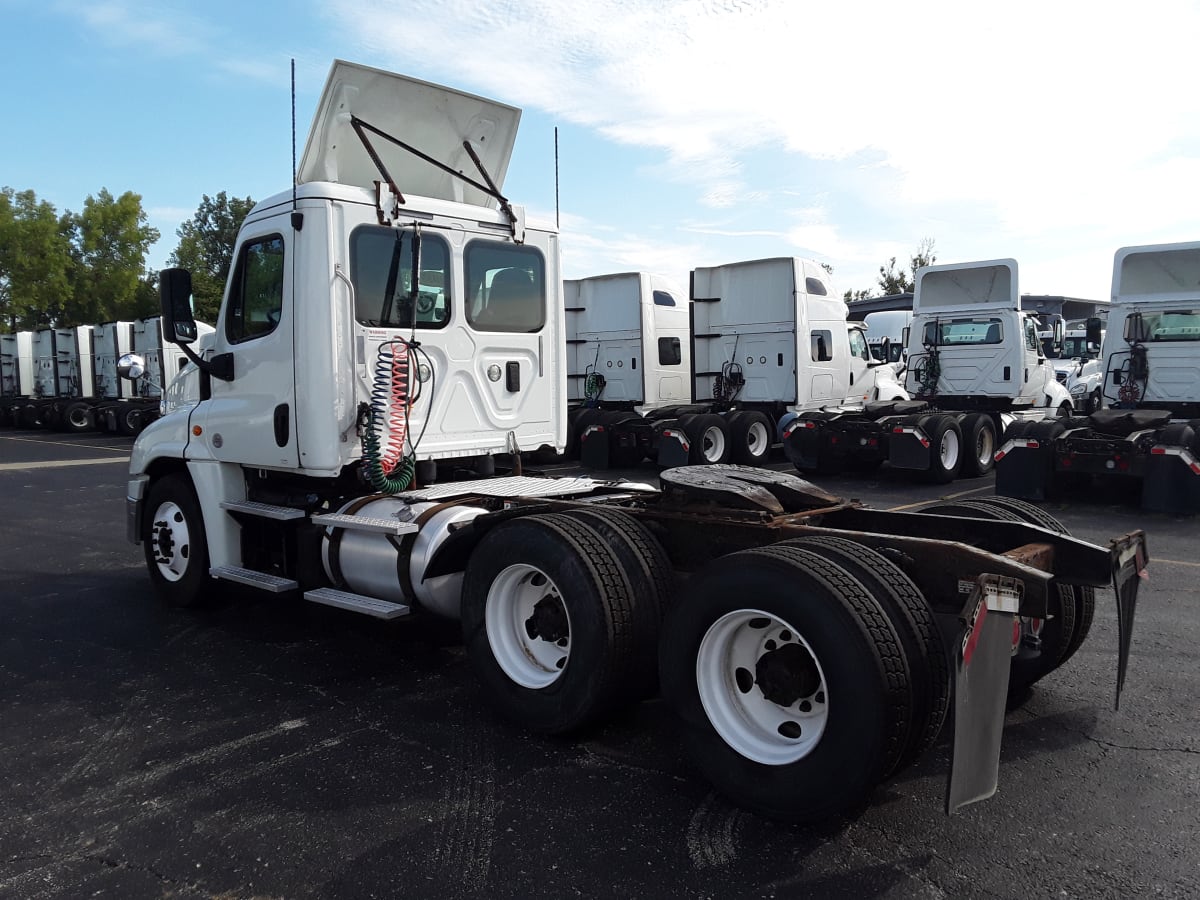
(971, 346)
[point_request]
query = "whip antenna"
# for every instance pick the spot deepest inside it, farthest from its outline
(557, 224)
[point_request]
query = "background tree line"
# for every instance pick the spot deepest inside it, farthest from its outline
(87, 267)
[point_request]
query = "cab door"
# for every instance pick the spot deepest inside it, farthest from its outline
(251, 419)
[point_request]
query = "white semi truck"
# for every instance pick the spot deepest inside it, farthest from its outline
(1078, 367)
(393, 316)
(16, 374)
(975, 363)
(1150, 388)
(766, 339)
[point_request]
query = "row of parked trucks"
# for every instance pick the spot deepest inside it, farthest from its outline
(392, 323)
(761, 353)
(66, 378)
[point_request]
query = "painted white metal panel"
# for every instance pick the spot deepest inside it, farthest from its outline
(16, 364)
(435, 120)
(964, 287)
(110, 341)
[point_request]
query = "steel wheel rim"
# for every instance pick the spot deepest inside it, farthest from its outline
(739, 653)
(78, 418)
(949, 448)
(756, 438)
(713, 443)
(521, 615)
(985, 446)
(171, 541)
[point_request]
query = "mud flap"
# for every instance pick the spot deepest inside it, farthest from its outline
(593, 447)
(674, 449)
(982, 657)
(802, 443)
(1129, 559)
(1171, 483)
(908, 448)
(1023, 469)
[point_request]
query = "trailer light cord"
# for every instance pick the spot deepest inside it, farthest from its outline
(390, 469)
(593, 382)
(728, 384)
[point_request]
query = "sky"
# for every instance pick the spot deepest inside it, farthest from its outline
(690, 132)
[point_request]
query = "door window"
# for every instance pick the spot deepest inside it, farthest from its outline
(256, 294)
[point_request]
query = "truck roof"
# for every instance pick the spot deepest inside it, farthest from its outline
(1168, 272)
(966, 287)
(433, 119)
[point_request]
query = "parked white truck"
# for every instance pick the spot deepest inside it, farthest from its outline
(766, 339)
(975, 363)
(1150, 389)
(16, 374)
(1079, 369)
(394, 312)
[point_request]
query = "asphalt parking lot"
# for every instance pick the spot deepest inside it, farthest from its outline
(263, 748)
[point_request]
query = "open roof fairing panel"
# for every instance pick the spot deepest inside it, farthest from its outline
(987, 285)
(1166, 271)
(433, 119)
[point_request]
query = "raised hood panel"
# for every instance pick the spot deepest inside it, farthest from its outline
(991, 284)
(433, 119)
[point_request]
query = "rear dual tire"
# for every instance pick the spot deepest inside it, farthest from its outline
(794, 704)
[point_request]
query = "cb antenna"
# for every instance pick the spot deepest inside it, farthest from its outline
(557, 224)
(297, 216)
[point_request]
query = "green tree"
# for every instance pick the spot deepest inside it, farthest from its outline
(111, 240)
(893, 281)
(206, 249)
(35, 256)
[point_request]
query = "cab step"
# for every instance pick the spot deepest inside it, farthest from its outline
(262, 510)
(371, 606)
(264, 581)
(365, 523)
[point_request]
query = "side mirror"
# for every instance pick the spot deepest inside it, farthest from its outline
(1058, 332)
(131, 366)
(1094, 327)
(886, 349)
(175, 292)
(904, 337)
(1135, 328)
(1093, 347)
(930, 338)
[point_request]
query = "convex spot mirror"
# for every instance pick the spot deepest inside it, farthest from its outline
(131, 366)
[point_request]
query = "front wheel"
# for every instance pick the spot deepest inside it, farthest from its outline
(174, 542)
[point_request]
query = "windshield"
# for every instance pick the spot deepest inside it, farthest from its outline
(1076, 346)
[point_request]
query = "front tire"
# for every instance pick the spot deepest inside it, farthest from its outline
(175, 544)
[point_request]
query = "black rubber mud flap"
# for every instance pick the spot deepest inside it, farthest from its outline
(909, 444)
(745, 487)
(593, 447)
(802, 444)
(674, 449)
(1129, 559)
(981, 668)
(1170, 484)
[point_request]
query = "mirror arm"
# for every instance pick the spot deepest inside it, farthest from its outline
(220, 366)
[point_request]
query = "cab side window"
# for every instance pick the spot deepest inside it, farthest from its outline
(1031, 336)
(858, 345)
(822, 345)
(256, 293)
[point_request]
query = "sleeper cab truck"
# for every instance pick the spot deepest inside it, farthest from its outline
(768, 338)
(16, 375)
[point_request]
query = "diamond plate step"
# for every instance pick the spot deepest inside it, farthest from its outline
(261, 580)
(380, 609)
(365, 523)
(262, 510)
